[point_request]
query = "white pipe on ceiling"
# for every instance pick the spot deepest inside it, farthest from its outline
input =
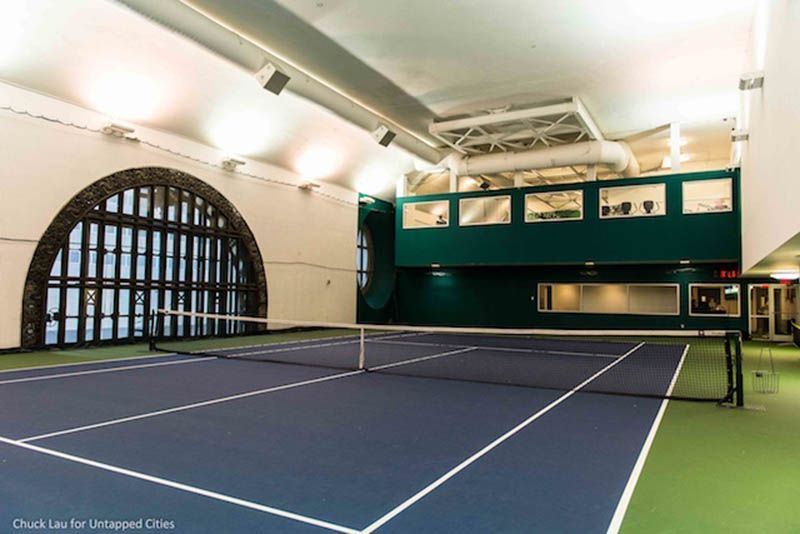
(616, 155)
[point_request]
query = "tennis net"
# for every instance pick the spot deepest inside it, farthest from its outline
(682, 364)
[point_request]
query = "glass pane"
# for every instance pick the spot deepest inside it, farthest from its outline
(426, 214)
(56, 269)
(127, 202)
(560, 297)
(554, 206)
(708, 196)
(186, 202)
(652, 299)
(144, 202)
(158, 202)
(714, 299)
(633, 201)
(112, 204)
(484, 210)
(605, 298)
(172, 204)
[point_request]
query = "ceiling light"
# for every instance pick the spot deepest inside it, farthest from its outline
(751, 80)
(785, 275)
(124, 95)
(739, 135)
(117, 130)
(666, 163)
(272, 79)
(383, 135)
(685, 262)
(230, 164)
(366, 201)
(588, 263)
(317, 162)
(308, 186)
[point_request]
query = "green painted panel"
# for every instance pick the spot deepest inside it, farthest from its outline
(376, 304)
(711, 237)
(507, 296)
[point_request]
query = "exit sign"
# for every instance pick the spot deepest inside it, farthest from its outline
(726, 274)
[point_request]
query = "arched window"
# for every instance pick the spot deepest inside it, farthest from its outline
(168, 241)
(364, 258)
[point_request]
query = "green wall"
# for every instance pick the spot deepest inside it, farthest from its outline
(376, 304)
(507, 296)
(711, 237)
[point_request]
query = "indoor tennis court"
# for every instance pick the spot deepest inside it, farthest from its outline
(310, 443)
(399, 266)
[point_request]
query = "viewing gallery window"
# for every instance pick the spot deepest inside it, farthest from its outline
(636, 299)
(484, 210)
(633, 201)
(140, 250)
(708, 196)
(434, 214)
(714, 299)
(554, 206)
(364, 258)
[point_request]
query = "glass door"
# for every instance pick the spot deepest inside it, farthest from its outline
(783, 311)
(772, 307)
(760, 312)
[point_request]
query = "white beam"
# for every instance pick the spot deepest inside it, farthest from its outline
(508, 116)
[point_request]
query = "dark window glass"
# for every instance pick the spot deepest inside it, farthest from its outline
(139, 250)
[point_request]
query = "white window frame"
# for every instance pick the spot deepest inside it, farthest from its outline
(683, 196)
(447, 214)
(635, 215)
(715, 284)
(627, 292)
(525, 215)
(460, 209)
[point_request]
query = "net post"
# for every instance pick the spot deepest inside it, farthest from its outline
(361, 354)
(737, 338)
(156, 327)
(729, 341)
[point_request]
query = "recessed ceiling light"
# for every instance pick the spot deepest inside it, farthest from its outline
(785, 275)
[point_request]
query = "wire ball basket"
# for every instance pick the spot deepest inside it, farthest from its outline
(766, 380)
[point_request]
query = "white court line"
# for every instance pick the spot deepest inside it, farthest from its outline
(86, 362)
(421, 359)
(230, 398)
(627, 494)
(99, 371)
(191, 406)
(181, 487)
(499, 349)
(466, 463)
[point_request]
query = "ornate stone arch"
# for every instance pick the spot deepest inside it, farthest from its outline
(53, 239)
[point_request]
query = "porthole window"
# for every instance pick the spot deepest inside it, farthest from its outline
(364, 258)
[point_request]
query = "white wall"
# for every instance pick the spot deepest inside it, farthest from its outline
(307, 240)
(770, 179)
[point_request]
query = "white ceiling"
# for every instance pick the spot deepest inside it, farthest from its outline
(103, 56)
(636, 64)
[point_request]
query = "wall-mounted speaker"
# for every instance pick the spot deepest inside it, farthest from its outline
(272, 79)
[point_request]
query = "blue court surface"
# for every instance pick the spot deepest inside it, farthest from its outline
(213, 445)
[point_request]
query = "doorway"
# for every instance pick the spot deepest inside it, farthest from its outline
(772, 308)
